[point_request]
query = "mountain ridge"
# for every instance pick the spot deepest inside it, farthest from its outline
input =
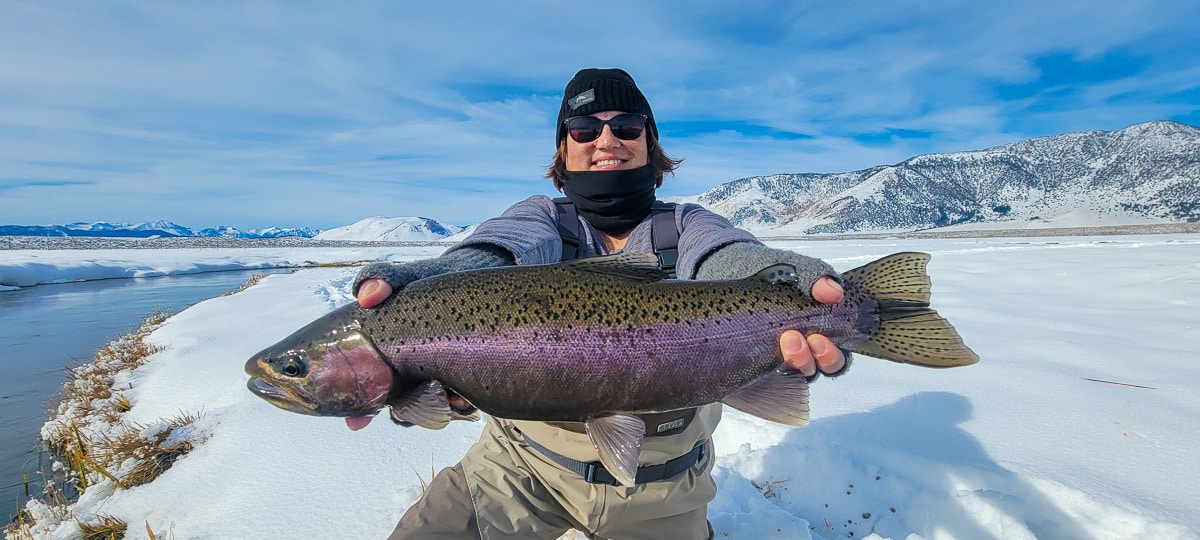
(149, 229)
(1144, 173)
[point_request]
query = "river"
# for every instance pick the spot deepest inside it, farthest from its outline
(48, 328)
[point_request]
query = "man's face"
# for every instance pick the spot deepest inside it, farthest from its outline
(607, 152)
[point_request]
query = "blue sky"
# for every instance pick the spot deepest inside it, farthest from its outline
(256, 114)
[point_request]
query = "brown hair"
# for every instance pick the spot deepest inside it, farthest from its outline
(659, 161)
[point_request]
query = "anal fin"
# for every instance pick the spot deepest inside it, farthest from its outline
(777, 396)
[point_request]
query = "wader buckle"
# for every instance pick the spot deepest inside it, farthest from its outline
(593, 472)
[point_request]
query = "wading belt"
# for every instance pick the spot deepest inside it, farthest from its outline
(657, 424)
(663, 232)
(594, 472)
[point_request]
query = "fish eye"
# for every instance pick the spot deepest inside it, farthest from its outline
(293, 368)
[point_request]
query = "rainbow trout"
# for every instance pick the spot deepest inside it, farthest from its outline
(597, 341)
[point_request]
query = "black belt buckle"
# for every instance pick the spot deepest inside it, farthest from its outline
(595, 473)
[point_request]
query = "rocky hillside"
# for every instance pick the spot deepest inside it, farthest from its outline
(1146, 173)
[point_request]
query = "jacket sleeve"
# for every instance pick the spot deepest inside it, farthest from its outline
(528, 231)
(701, 233)
(400, 274)
(743, 259)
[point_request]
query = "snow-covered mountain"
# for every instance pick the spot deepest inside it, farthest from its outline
(400, 229)
(147, 230)
(277, 232)
(225, 231)
(1146, 173)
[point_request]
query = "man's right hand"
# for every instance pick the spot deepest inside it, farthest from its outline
(373, 292)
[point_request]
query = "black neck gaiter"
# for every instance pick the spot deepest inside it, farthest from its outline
(612, 201)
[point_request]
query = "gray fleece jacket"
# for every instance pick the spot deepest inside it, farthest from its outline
(527, 233)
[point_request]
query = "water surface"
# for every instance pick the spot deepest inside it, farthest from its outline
(48, 328)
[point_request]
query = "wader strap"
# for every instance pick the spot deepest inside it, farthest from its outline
(663, 233)
(665, 236)
(568, 229)
(657, 424)
(593, 472)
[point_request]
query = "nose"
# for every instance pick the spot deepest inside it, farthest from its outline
(607, 139)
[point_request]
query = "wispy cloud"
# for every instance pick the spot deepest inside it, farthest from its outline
(272, 113)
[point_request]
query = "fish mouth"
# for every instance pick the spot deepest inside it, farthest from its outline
(281, 397)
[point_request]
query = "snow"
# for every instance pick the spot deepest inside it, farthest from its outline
(1080, 217)
(1029, 443)
(27, 267)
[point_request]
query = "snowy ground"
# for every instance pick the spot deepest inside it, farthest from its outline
(27, 267)
(1026, 444)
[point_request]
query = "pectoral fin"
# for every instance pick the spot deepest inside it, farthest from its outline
(618, 440)
(777, 396)
(472, 416)
(426, 406)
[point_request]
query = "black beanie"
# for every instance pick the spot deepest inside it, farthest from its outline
(593, 90)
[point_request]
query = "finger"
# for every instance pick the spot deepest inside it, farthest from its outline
(827, 291)
(796, 353)
(460, 403)
(829, 358)
(373, 292)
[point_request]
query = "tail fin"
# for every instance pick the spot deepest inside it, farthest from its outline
(909, 330)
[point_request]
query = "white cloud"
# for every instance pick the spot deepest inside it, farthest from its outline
(322, 114)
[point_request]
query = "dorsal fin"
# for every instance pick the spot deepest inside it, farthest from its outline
(778, 273)
(639, 266)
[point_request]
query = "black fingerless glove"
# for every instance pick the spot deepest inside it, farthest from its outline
(400, 274)
(743, 259)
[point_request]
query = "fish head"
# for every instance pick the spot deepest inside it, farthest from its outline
(328, 368)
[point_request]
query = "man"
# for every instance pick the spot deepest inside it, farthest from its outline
(526, 479)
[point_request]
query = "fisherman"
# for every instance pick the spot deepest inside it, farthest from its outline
(526, 479)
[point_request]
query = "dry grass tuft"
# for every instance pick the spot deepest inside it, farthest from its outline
(121, 403)
(19, 527)
(55, 509)
(421, 479)
(152, 536)
(254, 279)
(152, 449)
(93, 443)
(102, 527)
(158, 453)
(768, 487)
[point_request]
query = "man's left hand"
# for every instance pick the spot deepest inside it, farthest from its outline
(808, 354)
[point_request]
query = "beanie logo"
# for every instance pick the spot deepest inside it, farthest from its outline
(582, 99)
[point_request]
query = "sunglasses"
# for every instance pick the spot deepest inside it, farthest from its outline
(585, 129)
